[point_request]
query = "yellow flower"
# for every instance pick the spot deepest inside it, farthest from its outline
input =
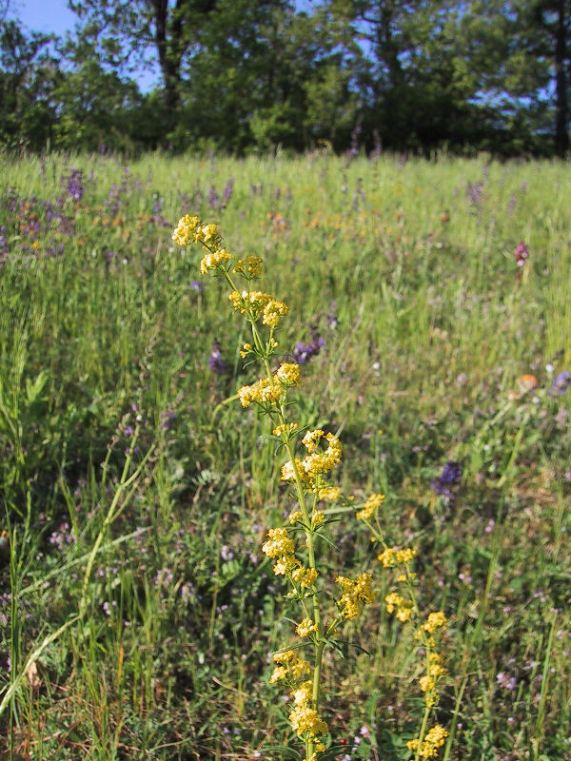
(294, 667)
(214, 261)
(280, 672)
(263, 391)
(288, 373)
(398, 605)
(249, 301)
(370, 507)
(320, 462)
(329, 493)
(285, 656)
(434, 621)
(279, 543)
(306, 722)
(208, 234)
(286, 429)
(356, 594)
(250, 266)
(305, 577)
(317, 518)
(284, 565)
(273, 312)
(433, 741)
(311, 440)
(392, 557)
(305, 628)
(295, 517)
(299, 668)
(184, 232)
(302, 694)
(288, 471)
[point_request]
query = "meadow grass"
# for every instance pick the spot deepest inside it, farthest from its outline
(137, 613)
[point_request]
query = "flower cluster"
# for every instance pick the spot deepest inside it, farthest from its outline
(291, 666)
(521, 253)
(356, 594)
(401, 606)
(392, 557)
(431, 744)
(256, 304)
(370, 507)
(305, 720)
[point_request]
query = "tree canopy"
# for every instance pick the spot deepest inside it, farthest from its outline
(242, 75)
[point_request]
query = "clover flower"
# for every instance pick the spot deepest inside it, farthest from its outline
(521, 254)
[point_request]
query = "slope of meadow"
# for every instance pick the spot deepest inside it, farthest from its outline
(424, 343)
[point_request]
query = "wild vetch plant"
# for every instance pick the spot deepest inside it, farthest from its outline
(311, 456)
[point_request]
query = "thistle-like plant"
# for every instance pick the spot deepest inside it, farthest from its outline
(311, 456)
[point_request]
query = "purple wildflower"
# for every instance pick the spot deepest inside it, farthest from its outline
(228, 191)
(216, 361)
(450, 475)
(561, 383)
(506, 682)
(521, 254)
(74, 185)
(302, 353)
(62, 536)
(3, 241)
(475, 193)
(213, 198)
(197, 286)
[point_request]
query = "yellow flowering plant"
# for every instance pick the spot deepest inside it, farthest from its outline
(311, 458)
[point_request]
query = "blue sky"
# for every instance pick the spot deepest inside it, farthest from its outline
(44, 15)
(53, 16)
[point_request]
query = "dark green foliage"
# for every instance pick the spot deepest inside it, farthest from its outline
(239, 76)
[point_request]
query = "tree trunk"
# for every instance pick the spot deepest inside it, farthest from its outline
(168, 52)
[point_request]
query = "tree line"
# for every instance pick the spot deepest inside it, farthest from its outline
(252, 75)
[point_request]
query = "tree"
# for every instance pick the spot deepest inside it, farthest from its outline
(128, 33)
(29, 73)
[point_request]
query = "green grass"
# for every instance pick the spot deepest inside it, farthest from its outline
(160, 554)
